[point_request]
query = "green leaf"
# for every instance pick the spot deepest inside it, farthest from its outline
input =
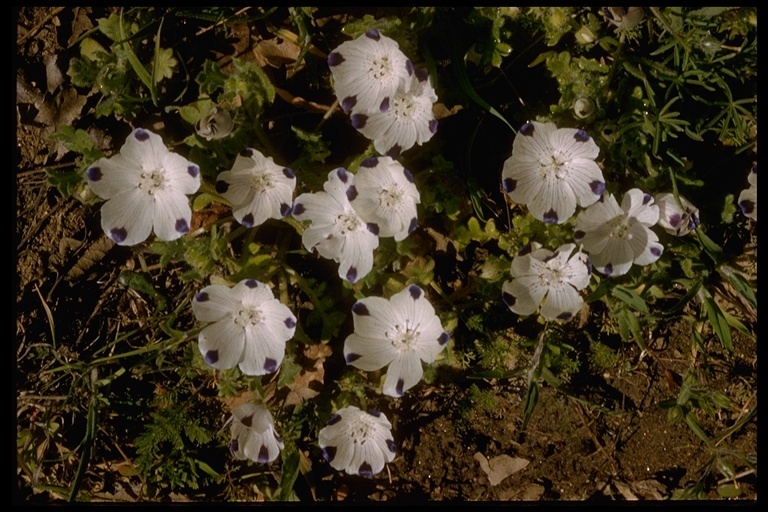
(729, 491)
(211, 78)
(530, 402)
(630, 297)
(717, 321)
(740, 284)
(692, 290)
(629, 327)
(141, 284)
(164, 63)
(288, 476)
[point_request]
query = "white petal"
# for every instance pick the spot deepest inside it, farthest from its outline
(586, 180)
(573, 144)
(615, 259)
(562, 303)
(214, 302)
(640, 205)
(368, 354)
(651, 248)
(221, 344)
(182, 175)
(235, 188)
(404, 372)
(109, 177)
(528, 293)
(172, 214)
(127, 218)
(356, 258)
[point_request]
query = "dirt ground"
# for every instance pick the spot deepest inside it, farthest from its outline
(607, 440)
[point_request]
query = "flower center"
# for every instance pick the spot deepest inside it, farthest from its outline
(348, 222)
(245, 316)
(262, 182)
(619, 227)
(391, 196)
(152, 181)
(554, 167)
(403, 106)
(361, 428)
(404, 337)
(380, 67)
(553, 275)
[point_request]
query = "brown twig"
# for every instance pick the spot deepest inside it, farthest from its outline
(34, 30)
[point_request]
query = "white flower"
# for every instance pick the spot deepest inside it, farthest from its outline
(146, 188)
(367, 69)
(253, 434)
(258, 188)
(337, 231)
(402, 119)
(624, 18)
(357, 442)
(250, 327)
(748, 196)
(551, 170)
(386, 196)
(676, 218)
(615, 237)
(400, 332)
(553, 277)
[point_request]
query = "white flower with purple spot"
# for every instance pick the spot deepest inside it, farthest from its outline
(249, 327)
(618, 236)
(552, 170)
(677, 218)
(748, 196)
(357, 442)
(554, 278)
(258, 188)
(337, 231)
(386, 196)
(402, 119)
(400, 332)
(253, 434)
(367, 69)
(146, 188)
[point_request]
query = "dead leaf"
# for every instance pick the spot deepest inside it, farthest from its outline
(440, 111)
(308, 383)
(500, 467)
(276, 52)
(300, 102)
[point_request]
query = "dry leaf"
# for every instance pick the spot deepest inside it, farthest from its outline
(500, 467)
(308, 384)
(276, 52)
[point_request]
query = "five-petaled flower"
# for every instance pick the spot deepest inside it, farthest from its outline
(677, 218)
(146, 188)
(616, 237)
(249, 327)
(748, 196)
(386, 196)
(337, 231)
(257, 187)
(368, 69)
(555, 278)
(357, 442)
(400, 332)
(402, 119)
(253, 434)
(551, 170)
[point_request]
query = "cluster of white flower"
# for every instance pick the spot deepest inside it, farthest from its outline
(389, 101)
(354, 210)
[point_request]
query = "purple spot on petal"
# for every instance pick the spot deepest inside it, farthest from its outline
(290, 322)
(342, 174)
(444, 338)
(550, 217)
(193, 171)
(674, 220)
(329, 453)
(578, 234)
(598, 187)
(421, 74)
(360, 308)
(395, 151)
(263, 454)
(348, 103)
(370, 162)
(247, 152)
(608, 270)
(747, 206)
(550, 257)
(399, 387)
(251, 283)
(365, 470)
(527, 129)
(278, 437)
(656, 251)
(373, 33)
(93, 173)
(373, 228)
(509, 185)
(409, 67)
(234, 445)
(391, 445)
(433, 126)
(384, 104)
(413, 225)
(247, 420)
(201, 296)
(182, 226)
(565, 316)
(118, 234)
(351, 193)
(508, 299)
(352, 274)
(334, 419)
(288, 173)
(222, 186)
(247, 220)
(358, 120)
(270, 365)
(211, 356)
(647, 198)
(298, 209)
(141, 135)
(415, 292)
(374, 413)
(589, 266)
(351, 357)
(408, 175)
(285, 209)
(581, 136)
(334, 59)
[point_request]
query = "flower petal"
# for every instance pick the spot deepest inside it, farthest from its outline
(222, 344)
(127, 218)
